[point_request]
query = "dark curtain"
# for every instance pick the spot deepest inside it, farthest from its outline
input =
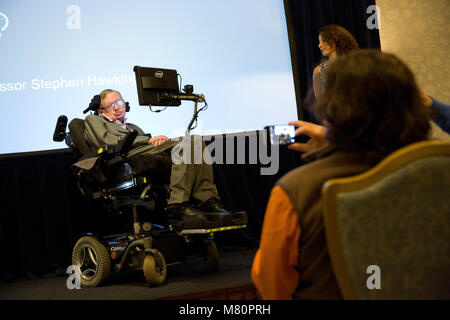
(304, 19)
(42, 214)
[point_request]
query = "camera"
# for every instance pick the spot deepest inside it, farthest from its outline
(188, 89)
(281, 134)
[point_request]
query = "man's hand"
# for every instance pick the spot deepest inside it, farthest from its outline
(156, 141)
(314, 131)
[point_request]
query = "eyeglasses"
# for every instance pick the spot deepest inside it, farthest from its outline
(119, 103)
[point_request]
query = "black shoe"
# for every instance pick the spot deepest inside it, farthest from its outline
(178, 211)
(212, 205)
(183, 216)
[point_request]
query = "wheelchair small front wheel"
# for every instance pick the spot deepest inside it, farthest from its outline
(154, 274)
(92, 257)
(212, 257)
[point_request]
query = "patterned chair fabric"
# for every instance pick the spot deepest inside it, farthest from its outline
(399, 222)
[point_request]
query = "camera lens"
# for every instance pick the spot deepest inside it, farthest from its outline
(189, 89)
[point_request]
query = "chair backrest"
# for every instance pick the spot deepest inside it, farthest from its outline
(76, 128)
(388, 229)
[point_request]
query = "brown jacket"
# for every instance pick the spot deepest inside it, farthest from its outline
(303, 187)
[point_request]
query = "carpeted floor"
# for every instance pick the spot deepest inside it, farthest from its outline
(184, 281)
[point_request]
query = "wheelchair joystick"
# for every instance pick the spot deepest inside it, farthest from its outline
(147, 226)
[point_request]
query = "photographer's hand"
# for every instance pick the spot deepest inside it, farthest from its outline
(426, 100)
(314, 131)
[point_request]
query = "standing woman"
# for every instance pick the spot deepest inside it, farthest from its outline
(334, 41)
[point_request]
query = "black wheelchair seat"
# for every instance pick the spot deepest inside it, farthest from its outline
(104, 171)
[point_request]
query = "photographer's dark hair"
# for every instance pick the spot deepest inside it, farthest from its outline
(372, 104)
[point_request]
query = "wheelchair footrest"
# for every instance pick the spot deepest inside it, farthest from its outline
(214, 220)
(212, 230)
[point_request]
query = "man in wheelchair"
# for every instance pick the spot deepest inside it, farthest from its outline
(194, 201)
(128, 169)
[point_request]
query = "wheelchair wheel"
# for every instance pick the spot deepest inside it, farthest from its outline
(93, 259)
(212, 257)
(154, 274)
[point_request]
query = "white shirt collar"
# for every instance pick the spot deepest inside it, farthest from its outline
(120, 123)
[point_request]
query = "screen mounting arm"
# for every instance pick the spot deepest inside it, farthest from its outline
(190, 97)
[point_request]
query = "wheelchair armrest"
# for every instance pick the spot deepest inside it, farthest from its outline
(116, 154)
(125, 144)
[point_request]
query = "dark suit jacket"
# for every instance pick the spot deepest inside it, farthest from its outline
(100, 131)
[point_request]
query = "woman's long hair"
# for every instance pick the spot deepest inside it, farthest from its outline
(341, 37)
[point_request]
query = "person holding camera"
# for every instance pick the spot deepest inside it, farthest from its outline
(371, 107)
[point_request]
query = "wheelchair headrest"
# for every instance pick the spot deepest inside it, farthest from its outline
(94, 105)
(76, 128)
(60, 129)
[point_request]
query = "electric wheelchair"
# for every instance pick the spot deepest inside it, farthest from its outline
(106, 175)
